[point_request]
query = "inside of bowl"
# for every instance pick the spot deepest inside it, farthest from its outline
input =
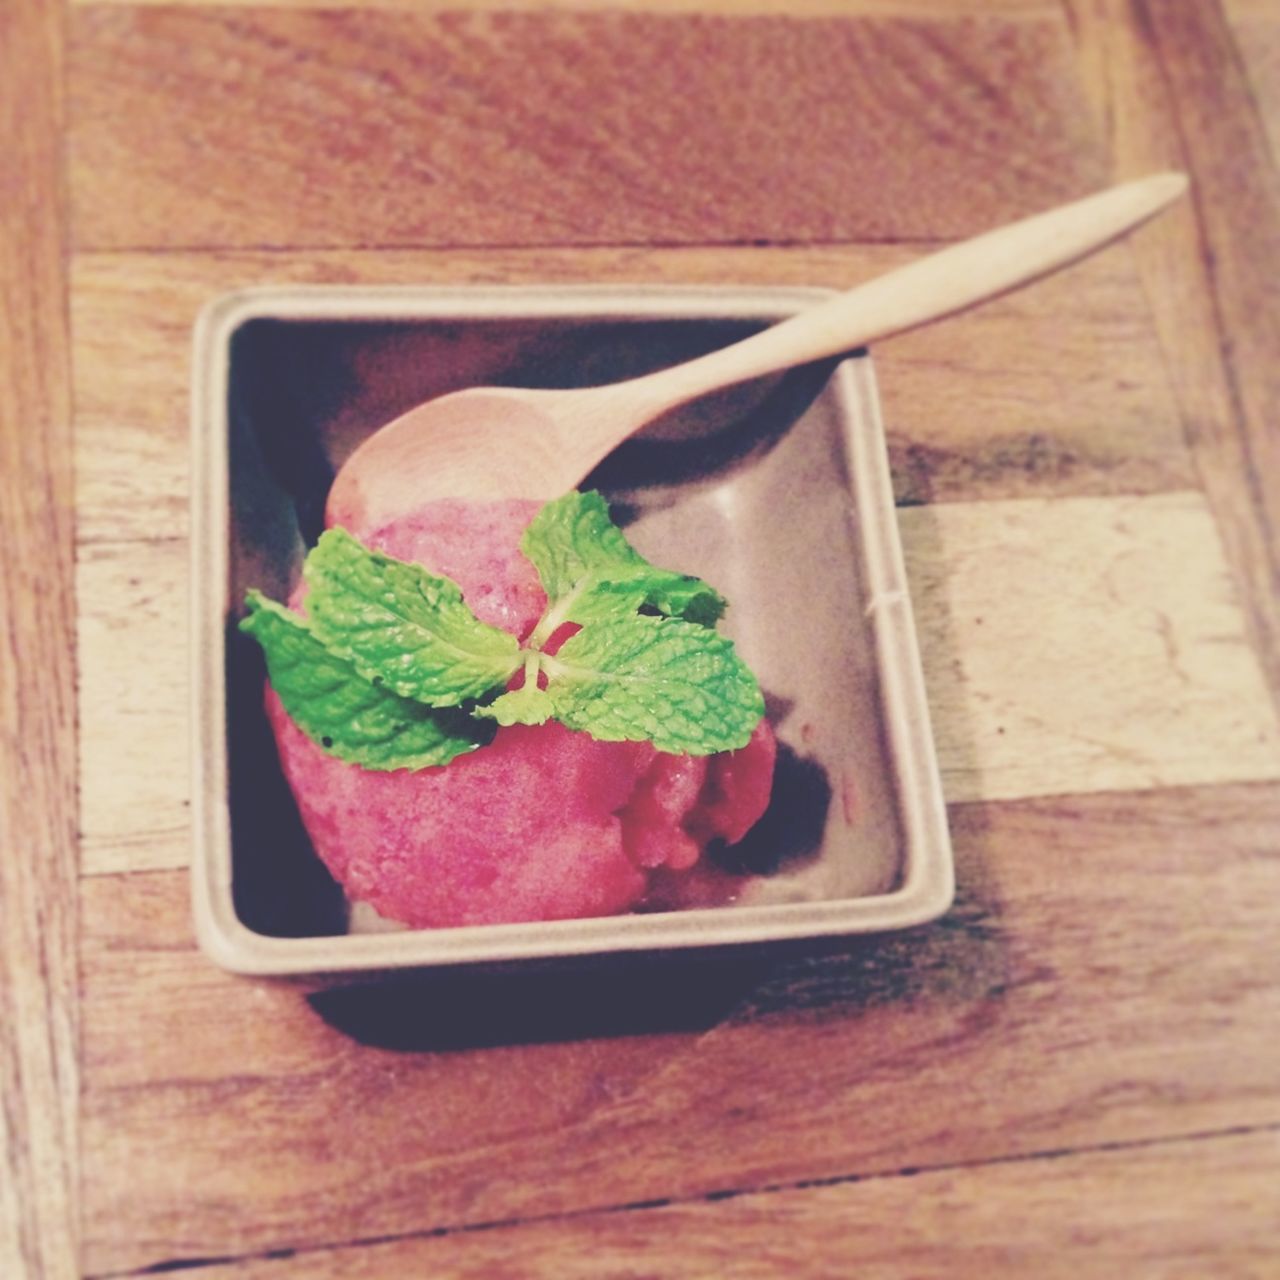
(748, 489)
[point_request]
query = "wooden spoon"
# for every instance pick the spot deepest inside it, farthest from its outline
(508, 442)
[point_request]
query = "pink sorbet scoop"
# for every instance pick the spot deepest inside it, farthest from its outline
(541, 824)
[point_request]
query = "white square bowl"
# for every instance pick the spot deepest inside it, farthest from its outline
(777, 492)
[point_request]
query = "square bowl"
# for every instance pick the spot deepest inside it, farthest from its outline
(777, 492)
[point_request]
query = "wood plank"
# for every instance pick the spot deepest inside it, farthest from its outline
(1109, 975)
(330, 128)
(1168, 84)
(1256, 31)
(1069, 645)
(1176, 1209)
(1084, 644)
(38, 1077)
(1005, 9)
(132, 673)
(1058, 389)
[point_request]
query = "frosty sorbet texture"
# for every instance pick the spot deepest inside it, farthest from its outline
(543, 823)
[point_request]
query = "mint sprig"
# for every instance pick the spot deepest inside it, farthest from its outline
(351, 717)
(390, 668)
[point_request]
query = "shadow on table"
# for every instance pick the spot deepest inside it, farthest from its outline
(962, 959)
(540, 1004)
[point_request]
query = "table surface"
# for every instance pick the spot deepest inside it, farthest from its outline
(1073, 1073)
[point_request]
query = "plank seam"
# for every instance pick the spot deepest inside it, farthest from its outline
(491, 246)
(710, 1197)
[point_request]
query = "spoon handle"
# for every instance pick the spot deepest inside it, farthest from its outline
(925, 290)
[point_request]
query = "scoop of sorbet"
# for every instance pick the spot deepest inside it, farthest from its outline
(541, 824)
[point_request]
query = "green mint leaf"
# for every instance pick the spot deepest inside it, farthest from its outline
(590, 571)
(401, 625)
(350, 717)
(526, 705)
(674, 683)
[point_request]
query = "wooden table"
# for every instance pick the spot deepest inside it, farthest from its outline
(1077, 1072)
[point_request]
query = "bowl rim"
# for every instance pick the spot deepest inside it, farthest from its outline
(926, 888)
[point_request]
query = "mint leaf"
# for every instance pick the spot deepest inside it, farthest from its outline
(399, 624)
(674, 683)
(350, 717)
(590, 571)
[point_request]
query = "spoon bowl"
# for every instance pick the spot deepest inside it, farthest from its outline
(493, 443)
(469, 444)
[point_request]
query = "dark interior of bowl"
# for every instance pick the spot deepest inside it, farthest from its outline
(748, 489)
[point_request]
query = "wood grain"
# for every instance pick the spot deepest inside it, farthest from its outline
(1080, 1059)
(1257, 37)
(1177, 1210)
(1110, 975)
(1255, 25)
(1059, 389)
(132, 677)
(1168, 83)
(1004, 9)
(1069, 645)
(1084, 644)
(332, 128)
(38, 1076)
